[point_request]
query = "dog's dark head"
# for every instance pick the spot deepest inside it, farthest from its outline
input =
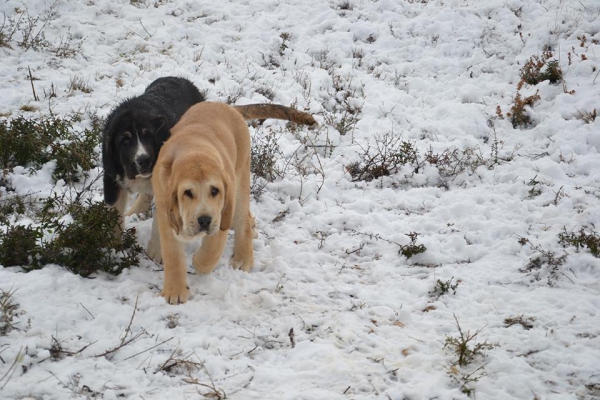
(132, 140)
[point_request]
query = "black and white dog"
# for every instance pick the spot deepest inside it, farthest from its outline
(133, 135)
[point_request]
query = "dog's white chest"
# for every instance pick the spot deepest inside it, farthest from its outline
(139, 185)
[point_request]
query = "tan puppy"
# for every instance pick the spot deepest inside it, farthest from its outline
(201, 185)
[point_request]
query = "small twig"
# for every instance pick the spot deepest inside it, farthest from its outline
(292, 336)
(35, 97)
(67, 352)
(355, 250)
(145, 28)
(131, 30)
(123, 344)
(128, 329)
(156, 345)
(12, 369)
(87, 311)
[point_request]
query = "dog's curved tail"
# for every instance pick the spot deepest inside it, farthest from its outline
(264, 111)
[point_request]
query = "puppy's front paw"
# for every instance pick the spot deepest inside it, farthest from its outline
(142, 204)
(177, 296)
(154, 251)
(244, 265)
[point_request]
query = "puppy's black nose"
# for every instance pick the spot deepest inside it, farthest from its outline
(144, 161)
(204, 222)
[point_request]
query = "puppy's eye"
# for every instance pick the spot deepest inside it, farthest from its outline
(214, 191)
(125, 140)
(189, 194)
(145, 131)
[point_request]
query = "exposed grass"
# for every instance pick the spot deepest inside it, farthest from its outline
(586, 116)
(8, 311)
(77, 83)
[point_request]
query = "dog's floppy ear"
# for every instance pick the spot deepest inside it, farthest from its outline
(110, 162)
(160, 126)
(175, 220)
(111, 190)
(229, 201)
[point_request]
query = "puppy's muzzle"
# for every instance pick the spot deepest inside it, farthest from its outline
(144, 166)
(204, 223)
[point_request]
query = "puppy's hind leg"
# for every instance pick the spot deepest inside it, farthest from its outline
(243, 253)
(243, 225)
(207, 256)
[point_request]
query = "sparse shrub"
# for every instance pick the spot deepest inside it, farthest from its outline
(78, 83)
(388, 155)
(32, 31)
(526, 323)
(412, 248)
(30, 142)
(263, 157)
(345, 6)
(84, 246)
(8, 311)
(518, 116)
(28, 108)
(464, 347)
(587, 117)
(285, 37)
(76, 156)
(345, 113)
(545, 262)
(452, 162)
(87, 244)
(466, 351)
(407, 250)
(9, 205)
(535, 189)
(533, 71)
(441, 288)
(268, 92)
(20, 245)
(582, 239)
(65, 48)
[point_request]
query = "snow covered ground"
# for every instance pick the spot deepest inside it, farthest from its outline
(365, 322)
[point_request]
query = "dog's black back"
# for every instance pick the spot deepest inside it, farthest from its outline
(136, 129)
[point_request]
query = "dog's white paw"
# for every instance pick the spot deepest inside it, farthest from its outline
(142, 204)
(241, 264)
(176, 296)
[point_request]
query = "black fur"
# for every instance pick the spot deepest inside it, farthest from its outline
(146, 119)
